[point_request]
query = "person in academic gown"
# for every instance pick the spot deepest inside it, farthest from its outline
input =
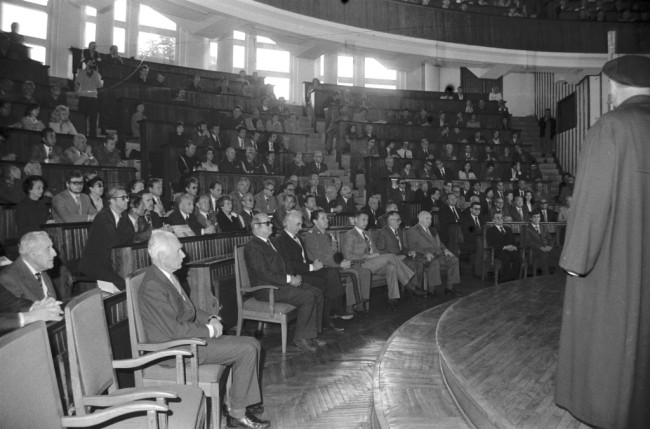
(603, 369)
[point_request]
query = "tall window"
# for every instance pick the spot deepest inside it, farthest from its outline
(90, 25)
(238, 51)
(119, 25)
(378, 76)
(345, 70)
(156, 36)
(32, 18)
(214, 52)
(274, 64)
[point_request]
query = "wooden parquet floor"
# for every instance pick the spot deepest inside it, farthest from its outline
(333, 388)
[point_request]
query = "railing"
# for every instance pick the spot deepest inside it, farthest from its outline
(424, 22)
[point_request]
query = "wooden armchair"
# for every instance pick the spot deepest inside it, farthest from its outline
(252, 309)
(30, 397)
(207, 377)
(92, 369)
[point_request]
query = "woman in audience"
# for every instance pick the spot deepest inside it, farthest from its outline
(265, 108)
(469, 107)
(495, 94)
(96, 193)
(291, 125)
(516, 173)
(460, 120)
(407, 171)
(529, 203)
(226, 219)
(466, 173)
(515, 138)
(30, 120)
(207, 164)
(60, 121)
(136, 118)
(563, 211)
(496, 138)
(11, 190)
(274, 124)
(478, 138)
(473, 121)
(509, 201)
(352, 131)
(178, 138)
(32, 211)
(505, 156)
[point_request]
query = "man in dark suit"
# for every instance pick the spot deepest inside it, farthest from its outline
(187, 161)
(429, 248)
(441, 172)
(228, 164)
(390, 239)
(293, 252)
(402, 194)
(314, 187)
(266, 267)
(502, 240)
(373, 211)
(547, 214)
(317, 166)
(239, 140)
(160, 207)
(96, 259)
(449, 222)
(214, 140)
(168, 314)
(517, 212)
(330, 203)
(346, 200)
(184, 215)
(247, 212)
(137, 223)
(17, 312)
(537, 237)
(472, 226)
(27, 277)
(47, 151)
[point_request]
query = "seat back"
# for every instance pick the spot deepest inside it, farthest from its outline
(89, 347)
(137, 334)
(242, 280)
(30, 396)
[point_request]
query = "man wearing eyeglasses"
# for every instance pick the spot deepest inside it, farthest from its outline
(264, 200)
(72, 205)
(266, 267)
(103, 236)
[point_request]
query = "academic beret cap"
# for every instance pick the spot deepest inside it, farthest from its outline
(630, 70)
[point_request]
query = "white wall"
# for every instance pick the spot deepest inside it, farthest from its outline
(519, 93)
(449, 76)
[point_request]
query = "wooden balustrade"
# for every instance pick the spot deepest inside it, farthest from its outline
(25, 70)
(213, 289)
(444, 25)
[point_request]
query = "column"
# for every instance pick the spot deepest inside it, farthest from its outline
(224, 55)
(331, 68)
(65, 30)
(431, 77)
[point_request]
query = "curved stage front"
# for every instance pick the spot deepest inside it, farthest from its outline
(497, 353)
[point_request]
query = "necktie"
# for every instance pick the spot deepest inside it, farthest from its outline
(453, 209)
(501, 230)
(178, 287)
(478, 224)
(302, 250)
(544, 215)
(49, 153)
(399, 242)
(317, 166)
(39, 278)
(537, 229)
(147, 217)
(271, 244)
(442, 171)
(368, 244)
(78, 203)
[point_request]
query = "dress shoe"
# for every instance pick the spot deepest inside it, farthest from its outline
(412, 290)
(248, 421)
(304, 345)
(453, 292)
(255, 409)
(332, 327)
(317, 342)
(342, 316)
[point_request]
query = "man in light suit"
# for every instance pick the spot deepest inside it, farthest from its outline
(264, 200)
(357, 246)
(72, 205)
(390, 239)
(429, 248)
(168, 314)
(27, 278)
(266, 267)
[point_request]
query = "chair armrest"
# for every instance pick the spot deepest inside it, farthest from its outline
(145, 359)
(154, 347)
(127, 395)
(256, 288)
(110, 413)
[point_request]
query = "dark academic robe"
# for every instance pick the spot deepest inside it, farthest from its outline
(603, 372)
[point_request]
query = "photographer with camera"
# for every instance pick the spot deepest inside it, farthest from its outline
(88, 82)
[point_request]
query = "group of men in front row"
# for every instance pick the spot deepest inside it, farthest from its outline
(307, 271)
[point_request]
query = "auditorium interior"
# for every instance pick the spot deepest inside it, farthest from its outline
(471, 112)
